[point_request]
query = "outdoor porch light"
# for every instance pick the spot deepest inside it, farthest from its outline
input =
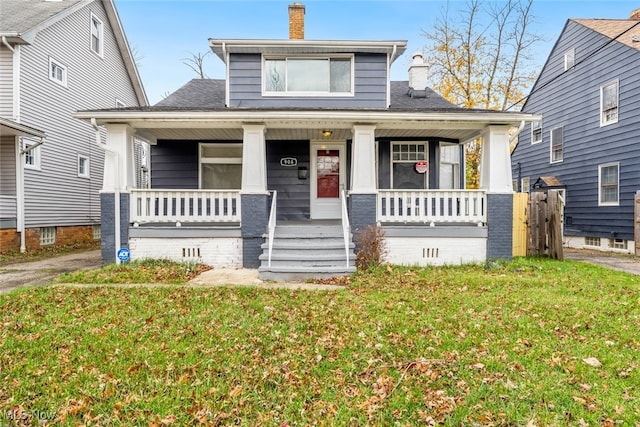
(327, 133)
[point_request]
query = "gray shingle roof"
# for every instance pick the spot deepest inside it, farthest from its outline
(209, 94)
(19, 16)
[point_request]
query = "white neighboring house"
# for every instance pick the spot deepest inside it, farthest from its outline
(56, 58)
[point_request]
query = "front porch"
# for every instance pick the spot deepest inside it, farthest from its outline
(224, 193)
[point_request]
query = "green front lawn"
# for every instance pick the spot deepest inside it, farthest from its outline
(533, 342)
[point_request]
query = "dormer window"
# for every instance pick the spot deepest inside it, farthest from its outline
(308, 76)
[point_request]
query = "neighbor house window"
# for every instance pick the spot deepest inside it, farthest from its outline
(404, 159)
(97, 232)
(525, 183)
(449, 165)
(57, 72)
(557, 145)
(221, 166)
(609, 103)
(608, 183)
(47, 236)
(83, 166)
(592, 241)
(31, 157)
(617, 244)
(536, 132)
(308, 75)
(97, 39)
(569, 59)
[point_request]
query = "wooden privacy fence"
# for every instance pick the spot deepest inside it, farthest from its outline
(537, 224)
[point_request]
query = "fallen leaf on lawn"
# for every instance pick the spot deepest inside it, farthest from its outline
(592, 361)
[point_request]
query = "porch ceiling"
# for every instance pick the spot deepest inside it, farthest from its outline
(304, 133)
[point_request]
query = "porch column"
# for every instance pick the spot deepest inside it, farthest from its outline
(364, 188)
(254, 198)
(114, 197)
(495, 178)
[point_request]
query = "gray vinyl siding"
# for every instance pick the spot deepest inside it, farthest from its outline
(6, 83)
(55, 195)
(370, 86)
(573, 102)
(174, 165)
(293, 193)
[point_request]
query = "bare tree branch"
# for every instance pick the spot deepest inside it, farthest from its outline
(196, 63)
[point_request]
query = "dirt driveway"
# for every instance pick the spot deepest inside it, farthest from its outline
(16, 275)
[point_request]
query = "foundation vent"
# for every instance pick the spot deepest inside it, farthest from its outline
(190, 252)
(430, 252)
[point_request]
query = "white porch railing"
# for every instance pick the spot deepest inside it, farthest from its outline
(431, 206)
(272, 223)
(346, 228)
(8, 207)
(185, 206)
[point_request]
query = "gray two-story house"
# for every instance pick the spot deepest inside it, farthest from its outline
(304, 144)
(587, 141)
(57, 57)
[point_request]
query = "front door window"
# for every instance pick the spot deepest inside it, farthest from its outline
(328, 171)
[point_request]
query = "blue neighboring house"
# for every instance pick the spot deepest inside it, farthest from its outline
(586, 144)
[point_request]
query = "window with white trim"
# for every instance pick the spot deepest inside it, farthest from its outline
(31, 157)
(308, 75)
(557, 145)
(609, 103)
(536, 132)
(569, 59)
(83, 166)
(592, 241)
(47, 236)
(617, 244)
(57, 72)
(449, 165)
(97, 35)
(221, 166)
(404, 159)
(525, 185)
(97, 232)
(609, 184)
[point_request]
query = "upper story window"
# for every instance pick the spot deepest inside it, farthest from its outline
(308, 76)
(536, 132)
(557, 145)
(608, 180)
(569, 59)
(97, 38)
(609, 103)
(57, 72)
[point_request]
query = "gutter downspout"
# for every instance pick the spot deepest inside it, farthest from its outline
(116, 155)
(6, 43)
(20, 225)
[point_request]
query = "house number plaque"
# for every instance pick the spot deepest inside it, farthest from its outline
(288, 161)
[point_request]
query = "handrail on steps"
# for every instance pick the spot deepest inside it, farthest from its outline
(272, 224)
(346, 228)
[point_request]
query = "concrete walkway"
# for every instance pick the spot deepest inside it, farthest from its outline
(621, 262)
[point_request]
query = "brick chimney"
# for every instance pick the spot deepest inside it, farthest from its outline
(296, 21)
(635, 15)
(418, 74)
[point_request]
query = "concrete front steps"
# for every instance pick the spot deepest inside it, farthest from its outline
(305, 250)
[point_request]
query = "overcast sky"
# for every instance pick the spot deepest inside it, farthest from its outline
(164, 32)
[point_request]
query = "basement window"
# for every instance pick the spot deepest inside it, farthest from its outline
(47, 236)
(617, 244)
(592, 241)
(97, 231)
